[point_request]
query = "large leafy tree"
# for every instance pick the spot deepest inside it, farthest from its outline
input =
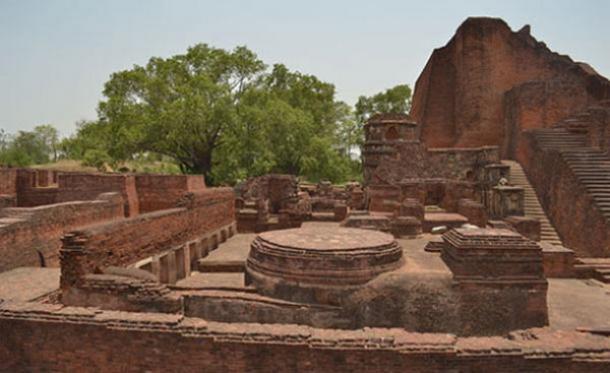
(223, 114)
(290, 122)
(180, 106)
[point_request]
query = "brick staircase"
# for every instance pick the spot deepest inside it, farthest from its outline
(532, 206)
(597, 268)
(590, 166)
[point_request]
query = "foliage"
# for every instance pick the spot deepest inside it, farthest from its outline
(180, 107)
(393, 100)
(221, 113)
(29, 147)
(96, 158)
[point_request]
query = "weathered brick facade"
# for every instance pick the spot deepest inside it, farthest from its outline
(26, 233)
(42, 337)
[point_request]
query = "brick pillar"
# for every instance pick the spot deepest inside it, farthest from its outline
(73, 260)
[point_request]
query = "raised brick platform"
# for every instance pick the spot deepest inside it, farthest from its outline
(319, 264)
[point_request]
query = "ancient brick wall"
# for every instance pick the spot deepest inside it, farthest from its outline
(82, 186)
(460, 163)
(459, 97)
(158, 192)
(539, 104)
(8, 181)
(30, 193)
(23, 231)
(413, 160)
(126, 241)
(580, 225)
(48, 338)
(278, 189)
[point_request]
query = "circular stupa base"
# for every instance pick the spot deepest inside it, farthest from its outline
(319, 264)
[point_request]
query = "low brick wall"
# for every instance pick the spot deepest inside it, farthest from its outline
(43, 337)
(127, 241)
(82, 186)
(23, 231)
(159, 192)
(8, 181)
(473, 211)
(31, 194)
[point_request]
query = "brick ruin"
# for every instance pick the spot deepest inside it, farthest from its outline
(476, 242)
(277, 201)
(39, 205)
(492, 86)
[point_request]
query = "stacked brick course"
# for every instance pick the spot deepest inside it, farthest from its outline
(125, 242)
(25, 232)
(42, 337)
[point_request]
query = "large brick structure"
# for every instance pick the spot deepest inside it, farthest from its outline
(492, 86)
(152, 279)
(489, 83)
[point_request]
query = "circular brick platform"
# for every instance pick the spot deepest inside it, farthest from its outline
(319, 264)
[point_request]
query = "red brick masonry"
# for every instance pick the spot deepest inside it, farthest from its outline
(42, 337)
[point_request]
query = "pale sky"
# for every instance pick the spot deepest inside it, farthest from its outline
(57, 54)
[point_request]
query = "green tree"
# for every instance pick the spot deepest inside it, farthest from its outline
(49, 137)
(393, 100)
(284, 119)
(28, 147)
(180, 106)
(223, 114)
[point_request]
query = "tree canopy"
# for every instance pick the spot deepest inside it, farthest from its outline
(29, 147)
(224, 114)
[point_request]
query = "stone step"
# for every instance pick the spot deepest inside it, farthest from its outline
(591, 169)
(590, 173)
(592, 163)
(603, 262)
(588, 165)
(531, 204)
(546, 228)
(579, 143)
(557, 136)
(552, 235)
(215, 266)
(603, 270)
